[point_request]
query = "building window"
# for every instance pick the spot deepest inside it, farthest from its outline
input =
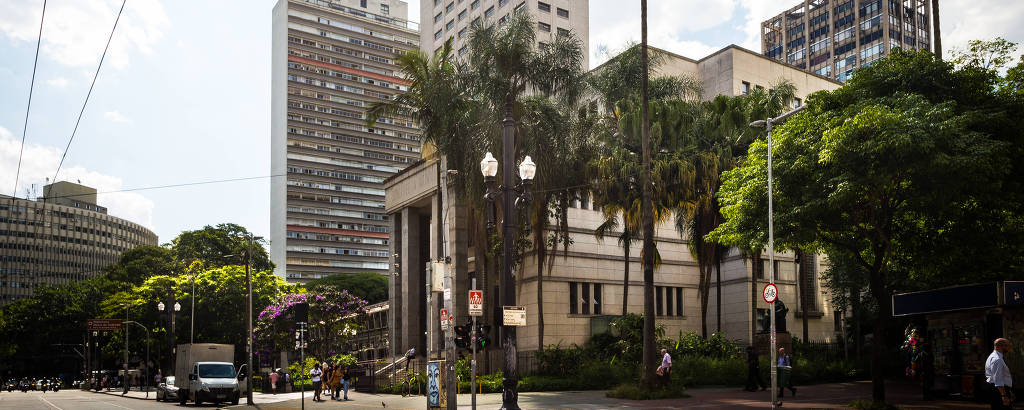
(462, 33)
(797, 103)
(474, 4)
(542, 6)
(746, 88)
(585, 299)
(574, 302)
(563, 32)
(437, 35)
(362, 3)
(519, 7)
(544, 27)
(489, 12)
(502, 3)
(679, 301)
(659, 305)
(449, 7)
(462, 14)
(542, 45)
(451, 23)
(437, 18)
(384, 9)
(563, 13)
(668, 302)
(597, 298)
(763, 321)
(503, 20)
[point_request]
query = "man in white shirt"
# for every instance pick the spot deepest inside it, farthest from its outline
(998, 376)
(666, 367)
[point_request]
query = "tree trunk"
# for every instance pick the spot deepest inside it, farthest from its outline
(625, 279)
(718, 290)
(878, 356)
(937, 37)
(538, 244)
(855, 308)
(649, 353)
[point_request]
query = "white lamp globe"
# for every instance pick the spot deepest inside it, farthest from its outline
(489, 166)
(527, 169)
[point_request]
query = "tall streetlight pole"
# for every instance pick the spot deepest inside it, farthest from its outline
(125, 328)
(248, 322)
(771, 242)
(513, 195)
(170, 335)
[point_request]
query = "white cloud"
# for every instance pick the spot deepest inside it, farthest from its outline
(59, 82)
(669, 24)
(758, 11)
(116, 117)
(38, 164)
(965, 20)
(75, 32)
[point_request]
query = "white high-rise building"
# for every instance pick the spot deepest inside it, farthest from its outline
(444, 19)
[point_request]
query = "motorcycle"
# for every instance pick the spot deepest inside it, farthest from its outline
(24, 387)
(55, 386)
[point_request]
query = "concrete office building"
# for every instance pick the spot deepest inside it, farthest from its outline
(834, 37)
(59, 239)
(331, 61)
(584, 287)
(444, 19)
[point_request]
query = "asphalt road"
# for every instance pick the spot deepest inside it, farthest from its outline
(77, 399)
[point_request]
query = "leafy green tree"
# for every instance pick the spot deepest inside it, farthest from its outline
(371, 287)
(869, 169)
(986, 54)
(137, 264)
(221, 245)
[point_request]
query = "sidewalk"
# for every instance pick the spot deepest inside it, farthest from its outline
(257, 397)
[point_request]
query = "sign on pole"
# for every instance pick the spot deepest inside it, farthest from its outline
(514, 315)
(770, 293)
(437, 271)
(103, 324)
(476, 303)
(444, 319)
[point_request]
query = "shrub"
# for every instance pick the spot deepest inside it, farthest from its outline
(696, 345)
(555, 361)
(702, 370)
(632, 391)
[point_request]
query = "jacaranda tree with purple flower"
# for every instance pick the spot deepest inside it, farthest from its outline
(334, 317)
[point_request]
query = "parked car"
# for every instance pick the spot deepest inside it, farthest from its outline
(165, 391)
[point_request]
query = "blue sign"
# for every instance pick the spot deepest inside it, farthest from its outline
(433, 384)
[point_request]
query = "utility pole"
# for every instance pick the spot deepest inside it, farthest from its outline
(648, 220)
(248, 324)
(451, 382)
(125, 328)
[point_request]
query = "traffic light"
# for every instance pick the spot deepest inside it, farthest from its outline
(482, 336)
(462, 336)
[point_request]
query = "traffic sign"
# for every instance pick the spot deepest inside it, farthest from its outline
(476, 303)
(103, 324)
(514, 316)
(444, 319)
(770, 293)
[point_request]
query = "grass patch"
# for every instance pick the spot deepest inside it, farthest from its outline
(631, 391)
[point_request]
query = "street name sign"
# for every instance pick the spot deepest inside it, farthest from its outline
(514, 315)
(476, 303)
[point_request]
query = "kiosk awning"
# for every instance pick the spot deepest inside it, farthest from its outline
(982, 295)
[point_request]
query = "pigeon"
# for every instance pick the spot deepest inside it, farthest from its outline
(382, 404)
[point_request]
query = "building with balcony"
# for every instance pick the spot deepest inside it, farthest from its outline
(60, 238)
(331, 61)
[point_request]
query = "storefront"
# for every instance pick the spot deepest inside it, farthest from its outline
(960, 323)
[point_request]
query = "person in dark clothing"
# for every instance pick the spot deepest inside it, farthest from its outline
(926, 367)
(754, 379)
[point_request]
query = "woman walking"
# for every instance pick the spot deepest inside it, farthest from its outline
(785, 368)
(316, 375)
(346, 379)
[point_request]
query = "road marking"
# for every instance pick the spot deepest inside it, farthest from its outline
(116, 405)
(48, 402)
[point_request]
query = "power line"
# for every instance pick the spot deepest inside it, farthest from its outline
(87, 95)
(31, 89)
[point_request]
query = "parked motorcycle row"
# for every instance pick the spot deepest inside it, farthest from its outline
(27, 384)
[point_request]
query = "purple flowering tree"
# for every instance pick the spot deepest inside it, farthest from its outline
(334, 317)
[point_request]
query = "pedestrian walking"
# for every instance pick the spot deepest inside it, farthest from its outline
(316, 375)
(754, 379)
(336, 382)
(665, 370)
(158, 377)
(346, 379)
(409, 355)
(273, 381)
(785, 369)
(997, 375)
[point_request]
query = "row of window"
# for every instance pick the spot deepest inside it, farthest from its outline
(335, 238)
(587, 299)
(338, 212)
(330, 199)
(341, 162)
(347, 51)
(338, 251)
(347, 76)
(337, 225)
(84, 220)
(335, 174)
(60, 238)
(336, 187)
(354, 140)
(327, 3)
(333, 264)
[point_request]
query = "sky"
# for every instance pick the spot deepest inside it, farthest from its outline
(183, 96)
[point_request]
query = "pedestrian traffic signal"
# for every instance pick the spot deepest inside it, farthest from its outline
(462, 336)
(482, 336)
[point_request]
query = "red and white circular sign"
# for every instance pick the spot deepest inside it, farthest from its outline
(770, 293)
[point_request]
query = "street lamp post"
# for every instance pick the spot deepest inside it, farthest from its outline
(248, 322)
(125, 379)
(513, 195)
(771, 242)
(146, 378)
(171, 314)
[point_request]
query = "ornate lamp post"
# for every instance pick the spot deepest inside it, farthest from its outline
(514, 195)
(171, 316)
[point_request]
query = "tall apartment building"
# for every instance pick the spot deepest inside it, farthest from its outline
(331, 61)
(444, 19)
(834, 37)
(61, 239)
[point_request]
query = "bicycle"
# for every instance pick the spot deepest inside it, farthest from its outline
(407, 385)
